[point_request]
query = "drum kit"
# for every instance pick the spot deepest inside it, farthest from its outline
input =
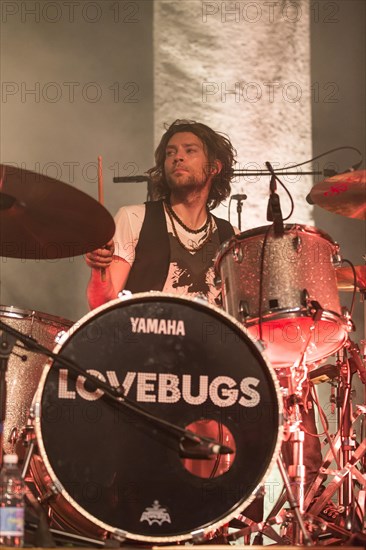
(158, 418)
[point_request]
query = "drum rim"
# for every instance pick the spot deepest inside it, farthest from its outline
(36, 410)
(287, 227)
(257, 231)
(297, 313)
(14, 312)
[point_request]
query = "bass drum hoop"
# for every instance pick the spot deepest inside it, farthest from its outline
(46, 319)
(41, 465)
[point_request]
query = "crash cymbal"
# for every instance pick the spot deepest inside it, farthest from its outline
(43, 218)
(345, 279)
(344, 194)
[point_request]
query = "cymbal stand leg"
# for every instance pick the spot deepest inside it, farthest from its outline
(296, 470)
(301, 533)
(347, 442)
(363, 356)
(7, 343)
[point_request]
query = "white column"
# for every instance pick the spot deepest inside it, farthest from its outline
(243, 69)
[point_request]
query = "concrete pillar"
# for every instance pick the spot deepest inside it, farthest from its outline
(243, 69)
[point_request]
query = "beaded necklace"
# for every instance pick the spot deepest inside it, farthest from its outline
(208, 226)
(182, 224)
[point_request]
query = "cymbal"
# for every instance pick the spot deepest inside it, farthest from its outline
(344, 194)
(345, 280)
(42, 218)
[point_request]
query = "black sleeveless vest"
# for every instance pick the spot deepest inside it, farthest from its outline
(152, 255)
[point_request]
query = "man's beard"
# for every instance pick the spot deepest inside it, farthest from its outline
(190, 183)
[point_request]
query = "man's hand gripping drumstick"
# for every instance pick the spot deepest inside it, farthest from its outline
(101, 258)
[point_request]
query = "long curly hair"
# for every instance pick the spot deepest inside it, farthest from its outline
(216, 146)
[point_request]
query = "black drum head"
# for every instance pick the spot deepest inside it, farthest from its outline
(181, 361)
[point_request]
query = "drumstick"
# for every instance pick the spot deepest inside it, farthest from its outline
(101, 201)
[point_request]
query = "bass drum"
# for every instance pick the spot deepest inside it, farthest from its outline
(112, 473)
(25, 368)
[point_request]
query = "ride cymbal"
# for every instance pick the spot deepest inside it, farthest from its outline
(344, 194)
(44, 218)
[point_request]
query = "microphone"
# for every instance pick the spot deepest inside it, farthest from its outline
(274, 213)
(239, 197)
(309, 200)
(202, 448)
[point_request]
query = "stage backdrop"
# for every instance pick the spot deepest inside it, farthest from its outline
(80, 79)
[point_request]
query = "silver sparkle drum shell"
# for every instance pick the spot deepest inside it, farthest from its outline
(268, 284)
(111, 474)
(25, 368)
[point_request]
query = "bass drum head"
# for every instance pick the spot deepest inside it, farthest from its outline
(185, 362)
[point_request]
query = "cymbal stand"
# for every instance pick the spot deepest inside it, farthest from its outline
(296, 470)
(342, 448)
(7, 342)
(294, 478)
(344, 420)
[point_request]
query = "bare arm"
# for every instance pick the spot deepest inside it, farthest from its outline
(116, 274)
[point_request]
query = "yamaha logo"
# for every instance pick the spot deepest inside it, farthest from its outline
(157, 326)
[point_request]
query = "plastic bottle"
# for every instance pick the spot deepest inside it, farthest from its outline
(12, 490)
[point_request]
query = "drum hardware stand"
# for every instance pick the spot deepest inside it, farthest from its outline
(344, 410)
(265, 528)
(7, 342)
(296, 475)
(339, 477)
(239, 206)
(309, 522)
(342, 451)
(296, 471)
(301, 515)
(66, 538)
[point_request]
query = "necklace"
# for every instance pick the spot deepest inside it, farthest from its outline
(182, 224)
(194, 248)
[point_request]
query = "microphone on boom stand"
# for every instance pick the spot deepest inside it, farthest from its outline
(274, 213)
(239, 206)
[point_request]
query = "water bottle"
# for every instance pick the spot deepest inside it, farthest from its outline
(12, 490)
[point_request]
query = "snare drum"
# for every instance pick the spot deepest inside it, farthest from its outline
(284, 290)
(111, 472)
(25, 367)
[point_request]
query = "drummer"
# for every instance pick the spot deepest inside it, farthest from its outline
(170, 245)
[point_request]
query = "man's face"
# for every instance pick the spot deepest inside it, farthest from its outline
(186, 164)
